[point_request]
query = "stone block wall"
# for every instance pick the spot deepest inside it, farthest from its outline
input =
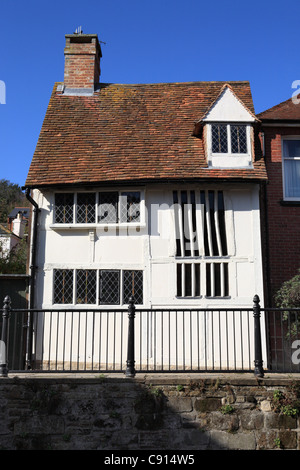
(152, 412)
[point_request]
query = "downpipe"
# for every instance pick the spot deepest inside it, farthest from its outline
(29, 337)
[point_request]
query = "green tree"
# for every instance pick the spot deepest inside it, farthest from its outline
(14, 262)
(288, 295)
(11, 195)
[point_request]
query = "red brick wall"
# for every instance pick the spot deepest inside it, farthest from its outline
(283, 236)
(82, 67)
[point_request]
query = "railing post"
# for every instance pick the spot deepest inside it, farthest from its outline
(4, 337)
(130, 370)
(258, 362)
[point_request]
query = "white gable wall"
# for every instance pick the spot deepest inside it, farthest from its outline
(228, 108)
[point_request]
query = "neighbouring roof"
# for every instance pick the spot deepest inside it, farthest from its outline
(5, 232)
(25, 211)
(288, 110)
(126, 133)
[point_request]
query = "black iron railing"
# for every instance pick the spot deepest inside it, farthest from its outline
(137, 340)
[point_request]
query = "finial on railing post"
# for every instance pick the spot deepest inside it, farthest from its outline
(4, 336)
(130, 370)
(258, 362)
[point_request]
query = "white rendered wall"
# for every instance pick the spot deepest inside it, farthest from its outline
(152, 249)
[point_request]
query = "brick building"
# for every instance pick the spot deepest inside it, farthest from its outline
(281, 142)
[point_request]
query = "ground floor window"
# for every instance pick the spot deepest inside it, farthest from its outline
(92, 286)
(118, 286)
(197, 279)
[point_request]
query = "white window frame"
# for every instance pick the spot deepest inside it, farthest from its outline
(229, 159)
(284, 138)
(74, 225)
(98, 303)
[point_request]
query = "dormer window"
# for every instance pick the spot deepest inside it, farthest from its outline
(229, 138)
(228, 127)
(229, 145)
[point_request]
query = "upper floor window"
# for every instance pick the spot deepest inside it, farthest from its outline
(229, 138)
(119, 207)
(291, 167)
(229, 145)
(202, 264)
(107, 207)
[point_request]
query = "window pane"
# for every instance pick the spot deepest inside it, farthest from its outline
(219, 138)
(64, 208)
(188, 280)
(177, 229)
(63, 286)
(133, 286)
(179, 280)
(108, 207)
(130, 207)
(238, 139)
(214, 239)
(217, 281)
(110, 287)
(222, 227)
(291, 148)
(86, 286)
(292, 178)
(86, 208)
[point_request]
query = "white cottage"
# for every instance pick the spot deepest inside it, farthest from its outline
(150, 191)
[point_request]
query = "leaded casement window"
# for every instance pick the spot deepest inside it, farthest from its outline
(117, 286)
(80, 286)
(86, 286)
(85, 208)
(123, 207)
(201, 244)
(291, 168)
(64, 208)
(238, 139)
(63, 286)
(109, 292)
(229, 139)
(132, 286)
(106, 207)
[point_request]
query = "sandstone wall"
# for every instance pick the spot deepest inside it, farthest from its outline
(157, 412)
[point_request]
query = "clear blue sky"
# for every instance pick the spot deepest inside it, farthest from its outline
(146, 42)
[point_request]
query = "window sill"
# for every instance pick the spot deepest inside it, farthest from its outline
(204, 297)
(87, 307)
(229, 161)
(96, 226)
(290, 203)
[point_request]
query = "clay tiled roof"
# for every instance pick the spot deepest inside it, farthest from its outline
(285, 111)
(130, 133)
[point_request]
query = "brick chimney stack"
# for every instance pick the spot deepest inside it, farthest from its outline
(82, 62)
